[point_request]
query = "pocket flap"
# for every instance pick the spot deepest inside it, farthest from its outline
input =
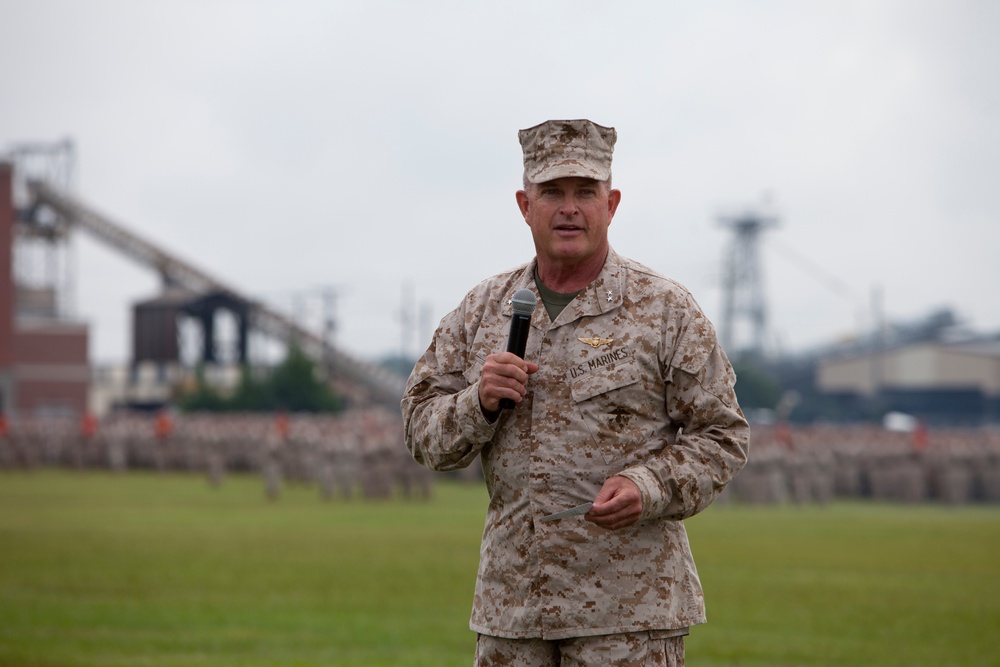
(607, 379)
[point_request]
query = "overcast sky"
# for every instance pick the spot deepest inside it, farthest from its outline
(288, 147)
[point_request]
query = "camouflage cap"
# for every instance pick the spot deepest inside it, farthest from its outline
(563, 148)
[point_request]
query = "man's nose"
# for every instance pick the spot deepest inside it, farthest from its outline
(568, 205)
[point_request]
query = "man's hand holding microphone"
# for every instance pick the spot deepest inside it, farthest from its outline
(504, 379)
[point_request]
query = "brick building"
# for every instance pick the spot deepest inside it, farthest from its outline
(44, 366)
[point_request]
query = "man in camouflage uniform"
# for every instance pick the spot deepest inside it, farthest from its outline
(624, 399)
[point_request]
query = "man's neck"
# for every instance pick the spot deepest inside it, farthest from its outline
(569, 278)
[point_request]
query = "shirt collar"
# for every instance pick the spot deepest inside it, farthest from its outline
(603, 295)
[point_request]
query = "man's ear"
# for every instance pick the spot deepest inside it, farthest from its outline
(614, 198)
(522, 203)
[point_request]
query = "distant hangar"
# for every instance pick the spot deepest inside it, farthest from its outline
(928, 379)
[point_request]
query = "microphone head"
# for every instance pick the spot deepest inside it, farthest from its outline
(524, 302)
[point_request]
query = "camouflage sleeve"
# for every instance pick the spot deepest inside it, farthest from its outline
(444, 426)
(712, 442)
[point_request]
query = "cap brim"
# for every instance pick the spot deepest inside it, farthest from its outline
(571, 170)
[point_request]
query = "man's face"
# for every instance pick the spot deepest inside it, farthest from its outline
(569, 219)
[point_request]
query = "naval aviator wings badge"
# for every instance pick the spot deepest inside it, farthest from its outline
(595, 342)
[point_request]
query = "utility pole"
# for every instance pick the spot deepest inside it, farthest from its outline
(407, 319)
(329, 329)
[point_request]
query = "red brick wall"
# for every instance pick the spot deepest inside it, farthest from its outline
(51, 369)
(52, 344)
(40, 398)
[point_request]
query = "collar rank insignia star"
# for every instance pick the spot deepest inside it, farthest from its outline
(595, 342)
(610, 296)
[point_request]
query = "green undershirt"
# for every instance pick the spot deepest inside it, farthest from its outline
(554, 301)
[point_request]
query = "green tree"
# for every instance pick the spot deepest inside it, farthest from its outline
(202, 397)
(293, 385)
(251, 395)
(399, 364)
(755, 386)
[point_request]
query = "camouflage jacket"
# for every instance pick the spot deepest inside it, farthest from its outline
(631, 382)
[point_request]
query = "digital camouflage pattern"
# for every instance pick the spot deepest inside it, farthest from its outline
(648, 649)
(631, 382)
(564, 148)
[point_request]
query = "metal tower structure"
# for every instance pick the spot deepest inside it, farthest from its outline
(43, 257)
(744, 302)
(380, 384)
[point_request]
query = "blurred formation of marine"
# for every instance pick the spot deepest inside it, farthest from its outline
(816, 465)
(345, 455)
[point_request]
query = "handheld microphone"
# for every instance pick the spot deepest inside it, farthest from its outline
(520, 324)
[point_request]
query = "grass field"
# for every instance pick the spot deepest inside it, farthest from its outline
(144, 569)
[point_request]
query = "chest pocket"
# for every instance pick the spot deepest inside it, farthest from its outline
(610, 402)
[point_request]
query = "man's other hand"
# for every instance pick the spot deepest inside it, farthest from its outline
(618, 504)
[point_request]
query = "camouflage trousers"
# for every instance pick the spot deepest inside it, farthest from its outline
(632, 649)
